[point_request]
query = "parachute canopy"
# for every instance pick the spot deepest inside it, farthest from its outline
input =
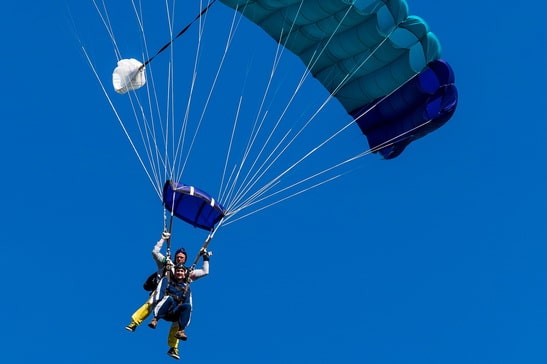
(128, 75)
(364, 52)
(192, 205)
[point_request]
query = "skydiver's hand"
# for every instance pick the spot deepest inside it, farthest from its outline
(165, 235)
(205, 254)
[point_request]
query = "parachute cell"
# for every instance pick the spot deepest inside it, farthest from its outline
(419, 107)
(362, 52)
(192, 205)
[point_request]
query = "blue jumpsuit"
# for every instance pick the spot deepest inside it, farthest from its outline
(175, 306)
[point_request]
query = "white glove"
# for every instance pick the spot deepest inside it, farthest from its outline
(165, 235)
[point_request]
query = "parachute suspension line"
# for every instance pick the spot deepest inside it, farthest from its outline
(258, 174)
(254, 133)
(389, 142)
(269, 185)
(182, 31)
(276, 201)
(244, 189)
(158, 155)
(103, 14)
(168, 124)
(256, 129)
(145, 126)
(253, 199)
(169, 129)
(249, 200)
(247, 182)
(393, 140)
(233, 177)
(149, 137)
(234, 25)
(229, 152)
(177, 153)
(278, 178)
(120, 121)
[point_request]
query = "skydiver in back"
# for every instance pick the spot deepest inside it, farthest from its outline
(164, 265)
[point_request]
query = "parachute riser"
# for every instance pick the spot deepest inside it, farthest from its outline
(193, 266)
(168, 250)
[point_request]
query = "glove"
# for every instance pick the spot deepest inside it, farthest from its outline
(205, 254)
(165, 235)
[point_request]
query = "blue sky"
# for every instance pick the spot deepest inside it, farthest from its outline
(434, 257)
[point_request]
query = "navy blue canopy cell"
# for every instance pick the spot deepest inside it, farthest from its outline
(419, 107)
(192, 205)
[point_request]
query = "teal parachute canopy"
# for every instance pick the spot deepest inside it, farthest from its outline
(361, 51)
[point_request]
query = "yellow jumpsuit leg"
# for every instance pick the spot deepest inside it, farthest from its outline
(172, 341)
(141, 314)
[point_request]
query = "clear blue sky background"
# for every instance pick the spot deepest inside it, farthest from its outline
(435, 257)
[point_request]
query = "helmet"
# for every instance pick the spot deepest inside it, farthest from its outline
(181, 251)
(180, 266)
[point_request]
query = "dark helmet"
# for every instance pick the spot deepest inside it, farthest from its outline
(181, 251)
(180, 266)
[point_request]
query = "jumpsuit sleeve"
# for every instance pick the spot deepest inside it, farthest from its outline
(159, 258)
(200, 273)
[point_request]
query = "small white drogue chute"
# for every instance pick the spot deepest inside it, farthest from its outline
(128, 75)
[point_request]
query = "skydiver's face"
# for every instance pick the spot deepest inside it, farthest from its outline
(180, 258)
(180, 274)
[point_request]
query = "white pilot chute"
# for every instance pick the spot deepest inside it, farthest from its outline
(128, 75)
